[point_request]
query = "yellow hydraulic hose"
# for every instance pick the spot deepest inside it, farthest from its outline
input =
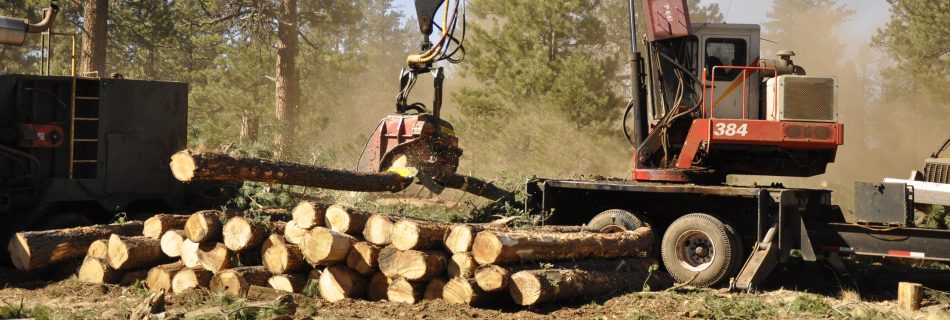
(432, 53)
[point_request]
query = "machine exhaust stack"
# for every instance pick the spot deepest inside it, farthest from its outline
(13, 31)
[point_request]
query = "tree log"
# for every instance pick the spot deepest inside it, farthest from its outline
(160, 277)
(434, 289)
(189, 278)
(238, 280)
(459, 237)
(346, 220)
(131, 277)
(171, 242)
(157, 225)
(417, 234)
(909, 296)
(474, 186)
(95, 270)
(378, 287)
(415, 265)
(127, 253)
(293, 283)
(462, 265)
(191, 165)
(387, 262)
(99, 249)
(529, 287)
(216, 257)
(465, 291)
(308, 215)
(323, 246)
(378, 229)
(32, 250)
(493, 247)
(189, 254)
(404, 291)
(294, 234)
(495, 278)
(281, 257)
(363, 258)
(205, 226)
(241, 233)
(338, 282)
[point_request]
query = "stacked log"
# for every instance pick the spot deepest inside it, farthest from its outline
(33, 250)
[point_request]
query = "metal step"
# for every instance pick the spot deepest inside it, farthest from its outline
(763, 259)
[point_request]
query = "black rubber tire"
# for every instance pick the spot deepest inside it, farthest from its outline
(739, 261)
(725, 250)
(622, 219)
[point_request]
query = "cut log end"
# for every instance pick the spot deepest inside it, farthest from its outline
(189, 253)
(156, 226)
(307, 215)
(339, 282)
(322, 246)
(403, 291)
(19, 252)
(134, 252)
(405, 235)
(183, 166)
(492, 278)
(338, 219)
(99, 249)
(171, 242)
(238, 280)
(459, 238)
(363, 258)
(94, 270)
(241, 233)
(461, 265)
(160, 277)
(486, 247)
(190, 278)
(420, 265)
(526, 288)
(294, 234)
(378, 229)
(293, 283)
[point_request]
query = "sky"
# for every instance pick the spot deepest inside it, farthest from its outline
(868, 16)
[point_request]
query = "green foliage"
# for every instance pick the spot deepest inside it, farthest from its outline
(916, 40)
(729, 307)
(810, 305)
(19, 311)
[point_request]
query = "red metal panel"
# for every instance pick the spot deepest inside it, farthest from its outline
(666, 19)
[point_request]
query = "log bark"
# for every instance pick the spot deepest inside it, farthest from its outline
(95, 270)
(127, 253)
(387, 262)
(378, 229)
(294, 234)
(189, 254)
(462, 265)
(280, 257)
(415, 265)
(131, 277)
(417, 234)
(241, 233)
(460, 237)
(238, 280)
(160, 277)
(189, 278)
(346, 220)
(493, 247)
(286, 78)
(529, 287)
(307, 215)
(95, 38)
(473, 185)
(378, 287)
(495, 278)
(338, 282)
(323, 246)
(404, 291)
(32, 250)
(434, 289)
(99, 249)
(363, 258)
(171, 242)
(293, 283)
(205, 226)
(465, 291)
(157, 225)
(192, 165)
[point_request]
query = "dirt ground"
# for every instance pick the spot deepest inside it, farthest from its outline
(784, 297)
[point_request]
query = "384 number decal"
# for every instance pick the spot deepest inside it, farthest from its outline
(731, 129)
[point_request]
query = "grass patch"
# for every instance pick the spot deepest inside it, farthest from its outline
(810, 305)
(38, 312)
(734, 307)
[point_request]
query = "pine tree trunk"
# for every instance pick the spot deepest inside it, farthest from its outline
(363, 258)
(238, 280)
(465, 291)
(346, 220)
(495, 278)
(531, 287)
(462, 265)
(387, 262)
(281, 257)
(127, 253)
(189, 253)
(160, 277)
(294, 234)
(417, 234)
(474, 186)
(287, 82)
(293, 283)
(31, 250)
(420, 265)
(378, 229)
(339, 282)
(95, 37)
(157, 225)
(322, 246)
(241, 233)
(459, 237)
(189, 278)
(205, 226)
(307, 215)
(95, 270)
(404, 291)
(495, 247)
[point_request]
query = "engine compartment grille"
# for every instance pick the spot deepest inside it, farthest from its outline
(937, 170)
(808, 98)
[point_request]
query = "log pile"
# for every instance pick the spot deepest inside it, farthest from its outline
(344, 253)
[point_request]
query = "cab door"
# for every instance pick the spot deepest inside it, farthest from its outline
(727, 92)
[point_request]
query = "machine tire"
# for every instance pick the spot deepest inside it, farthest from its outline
(700, 249)
(615, 220)
(739, 261)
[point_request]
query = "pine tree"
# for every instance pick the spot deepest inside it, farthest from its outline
(917, 40)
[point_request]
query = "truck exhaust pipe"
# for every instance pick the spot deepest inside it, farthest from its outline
(13, 31)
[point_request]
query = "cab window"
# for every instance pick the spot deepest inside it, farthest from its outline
(725, 52)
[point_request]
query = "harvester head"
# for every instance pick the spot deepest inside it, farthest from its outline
(420, 141)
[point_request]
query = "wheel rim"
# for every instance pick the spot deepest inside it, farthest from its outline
(695, 250)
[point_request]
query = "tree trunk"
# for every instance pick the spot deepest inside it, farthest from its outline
(404, 291)
(94, 270)
(171, 242)
(308, 215)
(417, 234)
(205, 226)
(531, 287)
(465, 291)
(216, 257)
(127, 253)
(287, 82)
(160, 277)
(363, 258)
(281, 257)
(346, 220)
(322, 246)
(250, 125)
(189, 278)
(387, 262)
(95, 37)
(494, 247)
(434, 289)
(420, 265)
(474, 186)
(99, 249)
(241, 233)
(189, 254)
(495, 278)
(339, 282)
(293, 283)
(157, 225)
(294, 234)
(32, 250)
(459, 237)
(130, 277)
(190, 165)
(238, 280)
(378, 229)
(378, 287)
(462, 265)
